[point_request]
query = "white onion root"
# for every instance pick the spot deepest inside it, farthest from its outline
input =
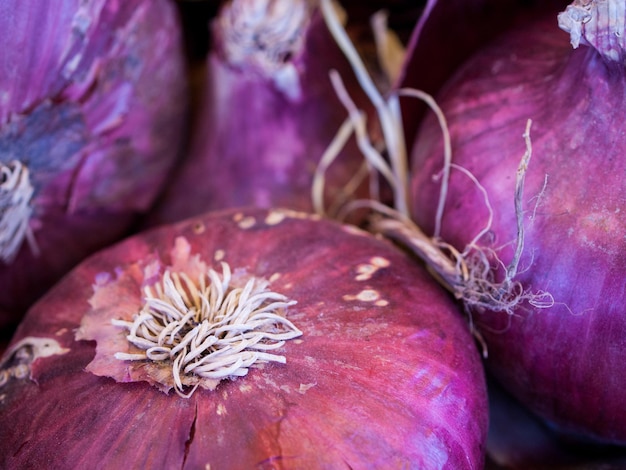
(208, 329)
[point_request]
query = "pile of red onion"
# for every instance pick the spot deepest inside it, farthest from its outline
(477, 183)
(92, 115)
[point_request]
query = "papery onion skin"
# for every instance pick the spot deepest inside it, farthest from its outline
(448, 33)
(563, 362)
(262, 129)
(366, 386)
(93, 103)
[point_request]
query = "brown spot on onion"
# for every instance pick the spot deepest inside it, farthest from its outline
(199, 228)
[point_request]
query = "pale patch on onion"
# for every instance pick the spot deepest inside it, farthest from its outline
(305, 387)
(16, 192)
(471, 275)
(367, 295)
(367, 270)
(17, 360)
(295, 214)
(206, 328)
(274, 218)
(219, 255)
(247, 222)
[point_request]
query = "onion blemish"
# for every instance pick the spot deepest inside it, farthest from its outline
(16, 192)
(17, 360)
(208, 329)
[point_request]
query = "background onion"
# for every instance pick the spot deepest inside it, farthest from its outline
(92, 106)
(385, 373)
(268, 113)
(559, 361)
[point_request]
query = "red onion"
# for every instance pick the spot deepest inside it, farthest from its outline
(268, 114)
(364, 360)
(92, 107)
(563, 360)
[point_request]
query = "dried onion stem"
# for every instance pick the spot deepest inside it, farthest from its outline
(208, 329)
(471, 275)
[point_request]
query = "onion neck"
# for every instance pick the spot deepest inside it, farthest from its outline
(600, 25)
(263, 37)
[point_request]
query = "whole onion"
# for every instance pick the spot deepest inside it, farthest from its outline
(268, 113)
(92, 108)
(558, 343)
(362, 360)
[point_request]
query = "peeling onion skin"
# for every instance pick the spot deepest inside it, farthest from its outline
(93, 103)
(366, 386)
(563, 362)
(258, 139)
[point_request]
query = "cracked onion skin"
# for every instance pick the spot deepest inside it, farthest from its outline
(563, 362)
(93, 103)
(392, 380)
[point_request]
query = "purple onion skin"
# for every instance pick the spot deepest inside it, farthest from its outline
(563, 362)
(93, 103)
(434, 52)
(255, 145)
(386, 387)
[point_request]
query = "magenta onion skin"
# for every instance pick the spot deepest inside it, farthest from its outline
(563, 361)
(93, 104)
(259, 138)
(367, 385)
(475, 23)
